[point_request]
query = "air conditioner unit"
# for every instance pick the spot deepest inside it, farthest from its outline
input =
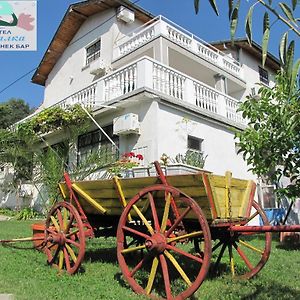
(125, 14)
(98, 67)
(126, 124)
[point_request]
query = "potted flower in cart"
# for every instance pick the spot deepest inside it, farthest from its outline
(124, 166)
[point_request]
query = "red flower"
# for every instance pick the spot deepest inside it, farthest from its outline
(131, 154)
(139, 156)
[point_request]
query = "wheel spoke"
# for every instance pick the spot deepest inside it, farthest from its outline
(216, 246)
(142, 217)
(52, 260)
(60, 220)
(253, 216)
(65, 217)
(77, 245)
(231, 260)
(165, 271)
(154, 212)
(67, 259)
(177, 221)
(141, 234)
(128, 250)
(152, 276)
(54, 221)
(220, 256)
(178, 268)
(251, 247)
(243, 256)
(61, 260)
(72, 253)
(51, 230)
(138, 266)
(191, 256)
(67, 228)
(166, 213)
(72, 233)
(185, 236)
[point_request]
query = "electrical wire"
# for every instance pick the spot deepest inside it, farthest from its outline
(16, 80)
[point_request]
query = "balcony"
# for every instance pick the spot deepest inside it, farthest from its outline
(161, 26)
(148, 74)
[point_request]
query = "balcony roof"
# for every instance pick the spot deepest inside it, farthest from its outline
(74, 17)
(255, 49)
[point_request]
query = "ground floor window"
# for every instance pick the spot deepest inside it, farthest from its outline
(194, 143)
(96, 141)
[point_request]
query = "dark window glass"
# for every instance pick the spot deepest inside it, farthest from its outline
(263, 75)
(95, 141)
(93, 52)
(194, 143)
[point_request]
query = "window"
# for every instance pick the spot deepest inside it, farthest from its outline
(96, 141)
(194, 143)
(263, 75)
(93, 52)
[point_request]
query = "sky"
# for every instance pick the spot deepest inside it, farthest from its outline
(206, 25)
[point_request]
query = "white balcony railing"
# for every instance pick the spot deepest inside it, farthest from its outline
(161, 26)
(150, 74)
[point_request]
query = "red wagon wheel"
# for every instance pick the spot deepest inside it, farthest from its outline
(247, 252)
(64, 233)
(155, 250)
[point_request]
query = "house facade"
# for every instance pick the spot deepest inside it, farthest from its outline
(153, 86)
(184, 91)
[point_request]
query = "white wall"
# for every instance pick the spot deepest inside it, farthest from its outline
(251, 72)
(164, 130)
(70, 74)
(218, 144)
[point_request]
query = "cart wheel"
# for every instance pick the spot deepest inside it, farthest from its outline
(65, 238)
(155, 249)
(248, 252)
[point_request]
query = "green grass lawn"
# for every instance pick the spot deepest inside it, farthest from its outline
(25, 274)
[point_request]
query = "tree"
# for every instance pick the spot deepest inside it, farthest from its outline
(271, 142)
(13, 111)
(28, 155)
(274, 11)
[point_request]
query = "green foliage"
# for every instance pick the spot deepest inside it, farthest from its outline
(95, 161)
(281, 11)
(271, 142)
(27, 214)
(7, 212)
(21, 147)
(52, 163)
(191, 158)
(55, 118)
(13, 111)
(15, 152)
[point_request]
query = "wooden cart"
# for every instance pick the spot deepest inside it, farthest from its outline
(168, 229)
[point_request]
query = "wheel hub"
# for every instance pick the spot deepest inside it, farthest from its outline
(58, 238)
(157, 243)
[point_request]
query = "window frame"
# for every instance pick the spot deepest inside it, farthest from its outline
(89, 58)
(263, 75)
(95, 144)
(196, 139)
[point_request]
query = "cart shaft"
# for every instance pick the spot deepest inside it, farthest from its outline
(267, 228)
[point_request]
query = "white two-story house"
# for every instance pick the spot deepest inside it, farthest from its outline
(153, 86)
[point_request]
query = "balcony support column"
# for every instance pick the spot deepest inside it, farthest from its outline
(189, 94)
(145, 74)
(100, 93)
